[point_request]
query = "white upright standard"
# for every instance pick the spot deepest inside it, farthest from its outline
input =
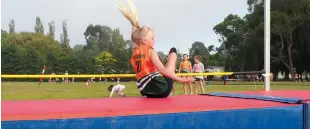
(267, 44)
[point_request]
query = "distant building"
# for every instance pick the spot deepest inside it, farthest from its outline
(215, 69)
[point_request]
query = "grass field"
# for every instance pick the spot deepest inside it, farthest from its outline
(77, 90)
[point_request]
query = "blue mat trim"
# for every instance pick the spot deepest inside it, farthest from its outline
(257, 97)
(285, 117)
(306, 115)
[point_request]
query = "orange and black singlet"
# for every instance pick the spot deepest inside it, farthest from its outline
(143, 66)
(185, 66)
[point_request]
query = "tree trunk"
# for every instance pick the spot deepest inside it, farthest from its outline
(242, 67)
(290, 60)
(276, 74)
(280, 58)
(286, 76)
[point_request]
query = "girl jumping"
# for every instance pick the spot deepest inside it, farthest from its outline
(145, 60)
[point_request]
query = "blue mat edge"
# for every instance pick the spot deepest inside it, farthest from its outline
(306, 115)
(77, 122)
(306, 106)
(257, 97)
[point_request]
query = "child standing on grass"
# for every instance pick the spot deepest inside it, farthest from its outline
(198, 68)
(186, 67)
(118, 89)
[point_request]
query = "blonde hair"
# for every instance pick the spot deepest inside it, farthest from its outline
(130, 14)
(198, 57)
(140, 33)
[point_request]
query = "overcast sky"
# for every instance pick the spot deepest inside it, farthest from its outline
(176, 23)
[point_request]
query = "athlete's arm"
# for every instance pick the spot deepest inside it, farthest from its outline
(193, 68)
(164, 71)
(203, 69)
(190, 67)
(112, 92)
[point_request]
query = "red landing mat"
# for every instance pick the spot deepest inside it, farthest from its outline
(51, 109)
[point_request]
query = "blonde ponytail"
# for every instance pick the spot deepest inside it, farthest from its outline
(130, 13)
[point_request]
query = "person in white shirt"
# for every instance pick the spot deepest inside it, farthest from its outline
(119, 89)
(198, 68)
(66, 79)
(118, 79)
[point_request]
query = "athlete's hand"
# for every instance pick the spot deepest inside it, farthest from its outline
(187, 80)
(190, 80)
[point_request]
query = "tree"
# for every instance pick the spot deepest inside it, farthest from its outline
(233, 34)
(117, 42)
(83, 61)
(12, 26)
(39, 28)
(98, 37)
(198, 48)
(34, 62)
(211, 48)
(51, 62)
(104, 62)
(286, 17)
(242, 39)
(78, 47)
(179, 59)
(301, 52)
(26, 52)
(64, 39)
(51, 32)
(4, 36)
(128, 48)
(12, 59)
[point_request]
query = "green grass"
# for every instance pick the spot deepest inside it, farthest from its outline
(31, 90)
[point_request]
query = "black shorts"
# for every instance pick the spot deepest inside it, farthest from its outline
(158, 87)
(198, 79)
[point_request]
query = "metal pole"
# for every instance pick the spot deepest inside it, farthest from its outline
(267, 44)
